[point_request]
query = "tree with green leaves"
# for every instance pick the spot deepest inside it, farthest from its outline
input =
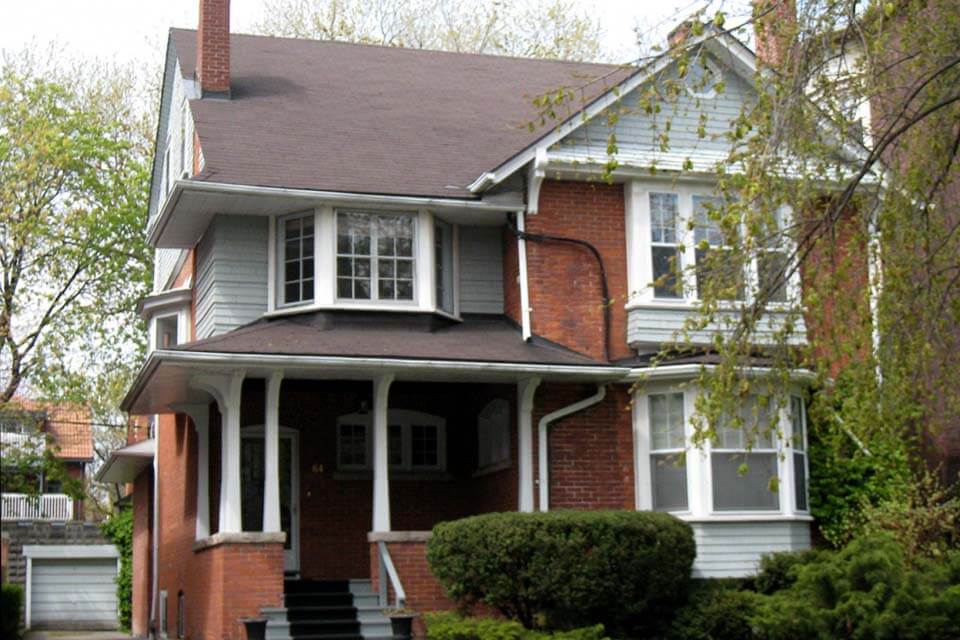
(528, 28)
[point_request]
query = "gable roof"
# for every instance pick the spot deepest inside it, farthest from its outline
(307, 114)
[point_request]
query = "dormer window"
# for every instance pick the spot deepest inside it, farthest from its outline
(375, 256)
(296, 251)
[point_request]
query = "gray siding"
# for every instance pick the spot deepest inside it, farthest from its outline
(231, 279)
(648, 326)
(734, 549)
(637, 132)
(481, 270)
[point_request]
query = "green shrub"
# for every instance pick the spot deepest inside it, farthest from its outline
(450, 626)
(119, 530)
(716, 610)
(867, 590)
(11, 601)
(777, 570)
(566, 569)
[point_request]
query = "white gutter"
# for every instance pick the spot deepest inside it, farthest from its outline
(345, 197)
(543, 436)
(525, 330)
(687, 371)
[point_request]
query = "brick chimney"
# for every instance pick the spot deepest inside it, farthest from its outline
(213, 48)
(775, 27)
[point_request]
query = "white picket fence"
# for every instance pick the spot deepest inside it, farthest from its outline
(48, 506)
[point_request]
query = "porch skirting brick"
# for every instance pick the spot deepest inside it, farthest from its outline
(408, 550)
(234, 578)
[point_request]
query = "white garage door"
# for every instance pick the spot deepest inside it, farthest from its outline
(73, 593)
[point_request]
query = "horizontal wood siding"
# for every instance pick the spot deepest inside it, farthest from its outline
(231, 284)
(638, 132)
(648, 326)
(734, 549)
(164, 262)
(481, 270)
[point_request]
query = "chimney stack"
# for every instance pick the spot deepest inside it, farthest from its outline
(213, 48)
(775, 26)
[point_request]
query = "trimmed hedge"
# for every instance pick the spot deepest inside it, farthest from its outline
(11, 601)
(567, 569)
(450, 626)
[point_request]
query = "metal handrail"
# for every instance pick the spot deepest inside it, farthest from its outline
(384, 561)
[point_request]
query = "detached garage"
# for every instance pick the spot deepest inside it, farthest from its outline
(71, 586)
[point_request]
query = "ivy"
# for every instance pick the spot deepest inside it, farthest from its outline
(119, 530)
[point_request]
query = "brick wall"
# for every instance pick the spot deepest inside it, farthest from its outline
(410, 560)
(590, 452)
(142, 551)
(213, 46)
(564, 280)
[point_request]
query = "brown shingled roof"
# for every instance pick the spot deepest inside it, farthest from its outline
(358, 118)
(478, 338)
(68, 425)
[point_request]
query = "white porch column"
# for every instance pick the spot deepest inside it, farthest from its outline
(525, 392)
(230, 521)
(200, 416)
(381, 463)
(271, 452)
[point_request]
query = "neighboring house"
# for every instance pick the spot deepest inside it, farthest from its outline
(350, 342)
(65, 565)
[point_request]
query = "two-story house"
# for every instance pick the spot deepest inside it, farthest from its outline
(383, 301)
(62, 561)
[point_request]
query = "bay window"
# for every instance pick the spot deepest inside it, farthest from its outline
(716, 268)
(664, 246)
(296, 257)
(772, 259)
(739, 473)
(443, 265)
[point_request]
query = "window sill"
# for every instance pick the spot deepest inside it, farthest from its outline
(678, 304)
(756, 516)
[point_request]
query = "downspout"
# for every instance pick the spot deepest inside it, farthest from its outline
(543, 435)
(524, 287)
(153, 628)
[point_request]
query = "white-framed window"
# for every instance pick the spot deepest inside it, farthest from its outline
(798, 437)
(668, 472)
(296, 258)
(376, 256)
(702, 76)
(493, 435)
(167, 331)
(416, 441)
(183, 138)
(772, 256)
(744, 460)
(710, 249)
(443, 265)
(665, 252)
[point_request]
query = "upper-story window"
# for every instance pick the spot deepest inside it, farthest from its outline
(690, 253)
(443, 265)
(375, 256)
(167, 331)
(296, 258)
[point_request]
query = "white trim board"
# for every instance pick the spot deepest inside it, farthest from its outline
(70, 551)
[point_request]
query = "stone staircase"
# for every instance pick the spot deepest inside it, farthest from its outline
(327, 610)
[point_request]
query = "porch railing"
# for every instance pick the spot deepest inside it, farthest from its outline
(385, 564)
(47, 506)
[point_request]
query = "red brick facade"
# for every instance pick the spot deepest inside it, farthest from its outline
(564, 280)
(142, 552)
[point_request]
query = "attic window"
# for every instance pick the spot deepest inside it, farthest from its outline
(701, 77)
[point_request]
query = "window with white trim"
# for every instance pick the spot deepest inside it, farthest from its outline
(701, 76)
(798, 436)
(416, 441)
(665, 252)
(493, 434)
(167, 331)
(668, 472)
(714, 269)
(375, 256)
(443, 265)
(183, 139)
(744, 462)
(296, 257)
(772, 258)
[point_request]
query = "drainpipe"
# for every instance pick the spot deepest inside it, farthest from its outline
(522, 268)
(542, 439)
(153, 627)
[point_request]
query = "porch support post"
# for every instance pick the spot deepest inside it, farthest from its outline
(381, 467)
(525, 391)
(200, 416)
(230, 521)
(271, 451)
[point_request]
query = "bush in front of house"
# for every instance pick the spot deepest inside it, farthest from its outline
(119, 530)
(715, 610)
(626, 570)
(450, 626)
(11, 602)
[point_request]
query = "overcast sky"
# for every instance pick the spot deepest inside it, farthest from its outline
(123, 30)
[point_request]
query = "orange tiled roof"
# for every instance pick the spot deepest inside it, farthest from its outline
(68, 425)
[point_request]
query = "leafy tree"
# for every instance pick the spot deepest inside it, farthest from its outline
(74, 179)
(529, 28)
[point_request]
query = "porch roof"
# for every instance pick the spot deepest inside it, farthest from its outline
(359, 346)
(125, 464)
